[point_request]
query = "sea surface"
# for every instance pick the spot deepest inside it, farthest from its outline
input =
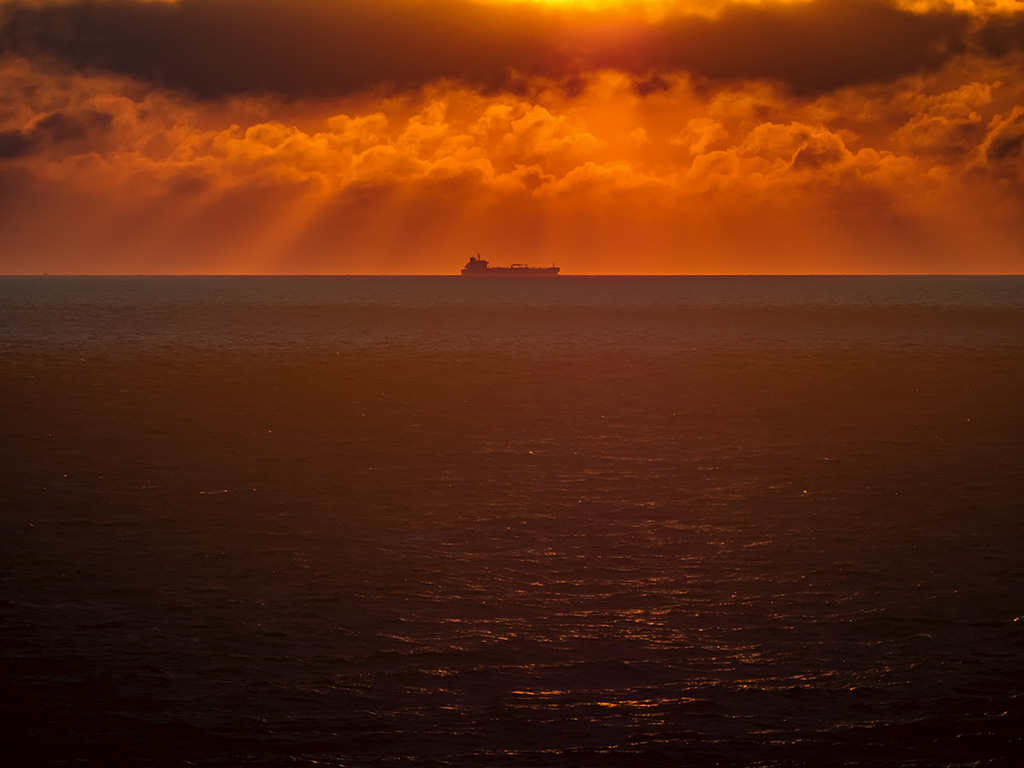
(355, 521)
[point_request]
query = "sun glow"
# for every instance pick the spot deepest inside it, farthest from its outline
(593, 4)
(656, 10)
(647, 8)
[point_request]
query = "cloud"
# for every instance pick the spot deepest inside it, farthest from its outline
(53, 129)
(215, 48)
(811, 47)
(102, 170)
(946, 124)
(1003, 146)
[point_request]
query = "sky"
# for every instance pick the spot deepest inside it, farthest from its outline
(606, 136)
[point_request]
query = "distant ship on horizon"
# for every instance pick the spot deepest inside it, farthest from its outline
(477, 267)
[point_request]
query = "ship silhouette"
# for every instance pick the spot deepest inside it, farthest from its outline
(477, 267)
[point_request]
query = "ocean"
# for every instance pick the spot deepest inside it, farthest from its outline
(426, 521)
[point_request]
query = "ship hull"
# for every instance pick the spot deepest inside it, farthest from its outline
(511, 272)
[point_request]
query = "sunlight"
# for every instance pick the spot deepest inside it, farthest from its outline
(633, 7)
(655, 10)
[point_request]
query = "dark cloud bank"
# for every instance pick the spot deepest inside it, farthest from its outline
(214, 48)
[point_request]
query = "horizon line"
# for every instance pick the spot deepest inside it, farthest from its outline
(531, 280)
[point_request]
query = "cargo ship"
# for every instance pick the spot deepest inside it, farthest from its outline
(477, 267)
